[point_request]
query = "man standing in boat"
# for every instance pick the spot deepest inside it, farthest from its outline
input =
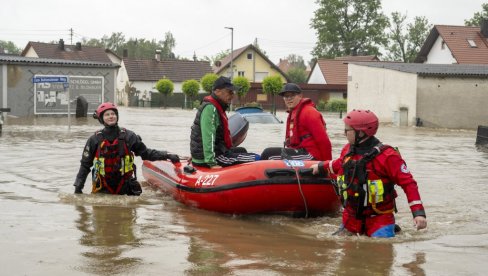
(367, 172)
(111, 153)
(306, 134)
(211, 142)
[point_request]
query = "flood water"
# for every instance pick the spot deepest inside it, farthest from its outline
(47, 230)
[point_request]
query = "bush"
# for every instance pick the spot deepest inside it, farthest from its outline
(196, 103)
(336, 105)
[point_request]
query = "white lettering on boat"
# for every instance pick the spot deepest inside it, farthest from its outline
(206, 180)
(294, 163)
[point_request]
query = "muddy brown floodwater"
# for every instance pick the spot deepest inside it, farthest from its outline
(46, 230)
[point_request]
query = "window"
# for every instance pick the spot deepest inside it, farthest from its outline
(240, 73)
(249, 55)
(472, 44)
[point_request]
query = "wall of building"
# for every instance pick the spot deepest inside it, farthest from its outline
(316, 76)
(385, 92)
(453, 102)
(440, 54)
(21, 93)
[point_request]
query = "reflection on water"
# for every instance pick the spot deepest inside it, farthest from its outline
(54, 232)
(107, 233)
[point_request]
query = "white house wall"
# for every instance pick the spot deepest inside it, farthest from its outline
(383, 91)
(453, 102)
(437, 55)
(316, 76)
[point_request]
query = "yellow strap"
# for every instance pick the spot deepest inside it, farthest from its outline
(373, 204)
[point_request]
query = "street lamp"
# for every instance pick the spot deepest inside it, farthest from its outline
(231, 51)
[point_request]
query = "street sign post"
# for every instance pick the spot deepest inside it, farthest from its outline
(57, 79)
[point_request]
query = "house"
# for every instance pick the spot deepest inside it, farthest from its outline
(140, 76)
(249, 62)
(69, 52)
(95, 81)
(455, 45)
(334, 72)
(430, 95)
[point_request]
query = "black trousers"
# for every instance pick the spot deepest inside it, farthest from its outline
(285, 153)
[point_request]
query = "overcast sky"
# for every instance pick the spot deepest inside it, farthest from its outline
(281, 27)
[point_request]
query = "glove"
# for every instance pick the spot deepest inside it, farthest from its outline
(78, 186)
(173, 158)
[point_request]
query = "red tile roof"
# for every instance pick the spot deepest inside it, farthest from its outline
(68, 52)
(173, 69)
(456, 39)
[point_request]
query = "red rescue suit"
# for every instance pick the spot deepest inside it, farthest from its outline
(305, 128)
(374, 209)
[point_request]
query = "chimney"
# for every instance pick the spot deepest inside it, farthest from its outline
(125, 53)
(484, 27)
(61, 44)
(78, 46)
(158, 55)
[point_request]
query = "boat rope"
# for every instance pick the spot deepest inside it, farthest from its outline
(301, 192)
(286, 157)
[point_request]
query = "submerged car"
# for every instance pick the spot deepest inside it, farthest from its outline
(257, 115)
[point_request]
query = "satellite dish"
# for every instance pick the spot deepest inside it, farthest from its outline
(218, 63)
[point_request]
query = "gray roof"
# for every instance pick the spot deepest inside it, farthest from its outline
(422, 69)
(14, 59)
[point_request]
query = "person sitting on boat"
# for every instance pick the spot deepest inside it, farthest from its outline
(306, 134)
(111, 152)
(210, 140)
(367, 171)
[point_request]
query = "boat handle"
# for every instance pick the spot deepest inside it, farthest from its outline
(270, 173)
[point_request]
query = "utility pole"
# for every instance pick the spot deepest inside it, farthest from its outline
(71, 35)
(231, 52)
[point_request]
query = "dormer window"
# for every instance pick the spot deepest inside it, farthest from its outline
(472, 44)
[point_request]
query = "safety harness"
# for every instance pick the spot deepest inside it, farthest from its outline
(360, 191)
(113, 163)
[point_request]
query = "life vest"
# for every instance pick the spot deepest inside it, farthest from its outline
(113, 164)
(293, 138)
(362, 188)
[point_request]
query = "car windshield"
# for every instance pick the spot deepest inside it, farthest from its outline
(262, 118)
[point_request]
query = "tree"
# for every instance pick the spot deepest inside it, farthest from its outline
(272, 85)
(168, 44)
(191, 88)
(405, 41)
(218, 57)
(9, 47)
(348, 27)
(207, 82)
(296, 61)
(165, 87)
(297, 75)
(478, 17)
(243, 86)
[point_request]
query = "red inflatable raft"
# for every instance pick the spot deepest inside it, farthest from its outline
(268, 186)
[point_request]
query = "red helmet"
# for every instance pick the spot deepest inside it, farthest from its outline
(104, 107)
(363, 120)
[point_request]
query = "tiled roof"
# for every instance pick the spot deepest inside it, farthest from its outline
(284, 65)
(173, 69)
(335, 70)
(456, 39)
(14, 59)
(424, 69)
(69, 52)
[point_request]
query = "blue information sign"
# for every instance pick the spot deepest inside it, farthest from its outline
(49, 79)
